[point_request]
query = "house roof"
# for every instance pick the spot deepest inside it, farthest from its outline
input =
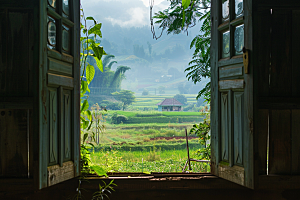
(170, 102)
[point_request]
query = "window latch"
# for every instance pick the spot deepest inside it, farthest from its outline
(246, 60)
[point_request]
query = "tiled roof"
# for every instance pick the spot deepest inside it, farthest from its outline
(170, 102)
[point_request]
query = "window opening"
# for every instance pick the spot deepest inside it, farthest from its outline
(65, 8)
(66, 38)
(226, 44)
(225, 10)
(51, 33)
(239, 39)
(147, 135)
(239, 8)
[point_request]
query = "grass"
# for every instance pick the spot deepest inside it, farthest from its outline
(147, 147)
(146, 161)
(153, 113)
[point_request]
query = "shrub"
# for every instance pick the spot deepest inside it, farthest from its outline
(118, 119)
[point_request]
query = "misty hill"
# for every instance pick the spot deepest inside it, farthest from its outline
(153, 63)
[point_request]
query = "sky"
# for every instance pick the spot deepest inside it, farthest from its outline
(126, 13)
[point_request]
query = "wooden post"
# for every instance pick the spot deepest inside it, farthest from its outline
(187, 148)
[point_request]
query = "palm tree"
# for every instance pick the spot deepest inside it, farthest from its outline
(109, 81)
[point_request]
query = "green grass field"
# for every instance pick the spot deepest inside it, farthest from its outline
(147, 147)
(146, 161)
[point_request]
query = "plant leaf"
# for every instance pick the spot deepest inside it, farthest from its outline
(96, 30)
(185, 3)
(85, 106)
(90, 73)
(99, 170)
(89, 115)
(99, 64)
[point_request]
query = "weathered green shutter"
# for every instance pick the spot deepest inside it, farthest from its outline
(59, 96)
(232, 94)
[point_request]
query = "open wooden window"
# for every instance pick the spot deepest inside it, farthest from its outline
(232, 92)
(255, 93)
(59, 91)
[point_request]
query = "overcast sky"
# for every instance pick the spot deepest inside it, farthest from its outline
(126, 13)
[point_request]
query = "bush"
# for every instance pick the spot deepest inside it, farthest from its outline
(118, 119)
(111, 105)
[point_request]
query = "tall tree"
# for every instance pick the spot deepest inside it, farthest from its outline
(109, 81)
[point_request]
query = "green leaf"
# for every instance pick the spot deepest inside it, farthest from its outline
(84, 87)
(99, 64)
(98, 51)
(99, 170)
(89, 115)
(185, 3)
(90, 73)
(85, 125)
(90, 18)
(96, 30)
(84, 106)
(85, 136)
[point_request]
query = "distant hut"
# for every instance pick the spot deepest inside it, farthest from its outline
(169, 105)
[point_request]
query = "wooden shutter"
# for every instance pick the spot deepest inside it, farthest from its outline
(232, 92)
(59, 93)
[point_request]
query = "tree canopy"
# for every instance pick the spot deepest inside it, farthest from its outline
(125, 96)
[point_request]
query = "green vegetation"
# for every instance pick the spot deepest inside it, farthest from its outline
(125, 96)
(147, 161)
(137, 117)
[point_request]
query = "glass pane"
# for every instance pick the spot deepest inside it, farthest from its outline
(226, 45)
(65, 39)
(66, 7)
(239, 39)
(239, 8)
(52, 3)
(225, 10)
(51, 32)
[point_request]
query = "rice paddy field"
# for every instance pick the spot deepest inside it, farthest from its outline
(148, 147)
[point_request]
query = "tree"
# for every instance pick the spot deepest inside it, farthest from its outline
(182, 15)
(181, 98)
(125, 96)
(109, 81)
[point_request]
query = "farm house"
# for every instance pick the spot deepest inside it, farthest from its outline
(255, 107)
(169, 105)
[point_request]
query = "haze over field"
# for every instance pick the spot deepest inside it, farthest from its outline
(127, 36)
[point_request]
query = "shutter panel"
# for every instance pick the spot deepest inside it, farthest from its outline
(232, 93)
(59, 95)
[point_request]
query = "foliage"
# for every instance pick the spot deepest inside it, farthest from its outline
(106, 188)
(111, 105)
(203, 130)
(125, 96)
(182, 15)
(118, 119)
(153, 160)
(90, 49)
(181, 98)
(108, 81)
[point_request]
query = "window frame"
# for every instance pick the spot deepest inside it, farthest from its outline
(229, 25)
